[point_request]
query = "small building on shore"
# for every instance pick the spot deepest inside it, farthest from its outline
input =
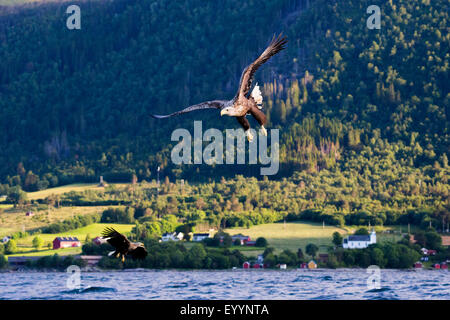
(91, 260)
(312, 265)
(18, 261)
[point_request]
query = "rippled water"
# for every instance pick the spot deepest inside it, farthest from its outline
(231, 284)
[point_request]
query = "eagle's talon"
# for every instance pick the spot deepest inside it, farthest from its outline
(249, 136)
(263, 131)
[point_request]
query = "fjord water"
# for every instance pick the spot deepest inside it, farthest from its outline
(230, 284)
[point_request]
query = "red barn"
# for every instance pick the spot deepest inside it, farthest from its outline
(418, 265)
(256, 266)
(66, 242)
(246, 265)
(444, 266)
(437, 266)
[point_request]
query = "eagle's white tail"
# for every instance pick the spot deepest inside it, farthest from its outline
(256, 94)
(111, 253)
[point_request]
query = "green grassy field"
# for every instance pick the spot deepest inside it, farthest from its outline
(24, 245)
(292, 235)
(76, 187)
(13, 220)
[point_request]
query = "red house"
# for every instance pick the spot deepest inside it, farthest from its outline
(436, 266)
(444, 266)
(256, 266)
(98, 240)
(66, 242)
(246, 265)
(418, 265)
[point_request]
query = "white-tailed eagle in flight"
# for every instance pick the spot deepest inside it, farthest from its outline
(123, 246)
(243, 103)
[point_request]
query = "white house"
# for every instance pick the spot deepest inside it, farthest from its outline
(200, 236)
(172, 236)
(359, 241)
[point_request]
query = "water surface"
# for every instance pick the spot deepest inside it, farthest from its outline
(229, 284)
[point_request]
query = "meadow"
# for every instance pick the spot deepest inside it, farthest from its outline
(13, 219)
(75, 187)
(25, 247)
(294, 235)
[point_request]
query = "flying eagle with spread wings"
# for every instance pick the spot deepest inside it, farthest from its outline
(122, 245)
(244, 102)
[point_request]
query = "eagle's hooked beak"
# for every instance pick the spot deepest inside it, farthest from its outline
(224, 111)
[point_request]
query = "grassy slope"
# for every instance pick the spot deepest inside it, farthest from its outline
(94, 230)
(13, 220)
(76, 187)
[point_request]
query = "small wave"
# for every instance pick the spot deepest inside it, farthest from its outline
(384, 289)
(207, 284)
(179, 285)
(89, 289)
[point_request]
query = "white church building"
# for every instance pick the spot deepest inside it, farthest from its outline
(359, 241)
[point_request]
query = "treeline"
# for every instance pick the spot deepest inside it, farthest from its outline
(176, 255)
(72, 223)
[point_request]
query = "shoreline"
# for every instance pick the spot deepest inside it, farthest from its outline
(96, 269)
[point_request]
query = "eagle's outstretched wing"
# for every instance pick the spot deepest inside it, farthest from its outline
(275, 46)
(215, 104)
(116, 239)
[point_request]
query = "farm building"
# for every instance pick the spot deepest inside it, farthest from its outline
(246, 265)
(323, 258)
(312, 264)
(200, 236)
(66, 242)
(359, 241)
(418, 265)
(445, 241)
(98, 240)
(303, 265)
(240, 237)
(444, 266)
(172, 236)
(428, 252)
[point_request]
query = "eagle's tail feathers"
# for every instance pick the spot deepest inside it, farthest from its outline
(111, 253)
(256, 94)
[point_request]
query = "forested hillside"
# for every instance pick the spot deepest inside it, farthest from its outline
(371, 104)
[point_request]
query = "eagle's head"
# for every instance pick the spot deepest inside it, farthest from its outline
(229, 111)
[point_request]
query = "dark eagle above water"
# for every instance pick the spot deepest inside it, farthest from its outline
(244, 102)
(123, 246)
